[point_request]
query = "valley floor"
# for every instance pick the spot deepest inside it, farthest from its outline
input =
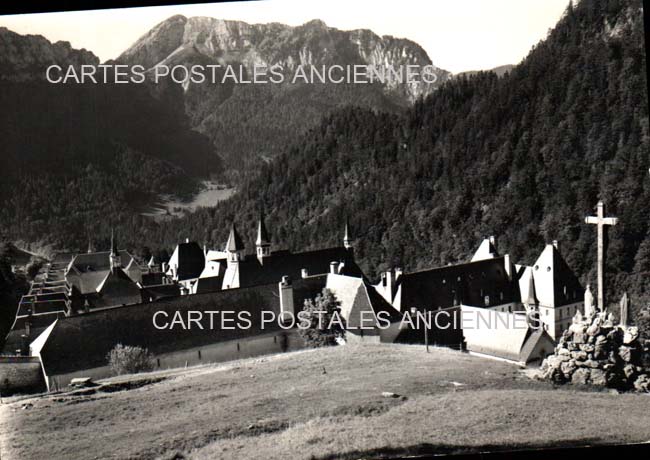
(321, 404)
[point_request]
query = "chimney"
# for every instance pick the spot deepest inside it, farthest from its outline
(187, 240)
(286, 299)
(555, 243)
(388, 279)
(304, 273)
(334, 267)
(508, 266)
(493, 240)
(205, 250)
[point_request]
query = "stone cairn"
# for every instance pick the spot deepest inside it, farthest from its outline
(595, 351)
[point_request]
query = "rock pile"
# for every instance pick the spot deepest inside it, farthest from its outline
(595, 351)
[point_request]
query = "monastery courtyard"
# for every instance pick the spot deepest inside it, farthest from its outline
(343, 402)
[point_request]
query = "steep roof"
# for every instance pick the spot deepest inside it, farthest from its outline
(101, 330)
(96, 261)
(536, 337)
(262, 233)
(117, 288)
(191, 260)
(486, 250)
(555, 283)
(87, 271)
(468, 283)
(234, 242)
(280, 263)
(359, 302)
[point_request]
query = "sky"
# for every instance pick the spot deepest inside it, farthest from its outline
(458, 35)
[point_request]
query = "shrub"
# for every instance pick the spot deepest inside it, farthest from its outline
(125, 359)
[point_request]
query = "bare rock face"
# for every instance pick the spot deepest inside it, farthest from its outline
(313, 43)
(594, 352)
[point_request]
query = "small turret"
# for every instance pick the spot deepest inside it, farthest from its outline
(91, 247)
(115, 259)
(263, 242)
(347, 241)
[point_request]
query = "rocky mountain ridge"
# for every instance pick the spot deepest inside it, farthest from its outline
(251, 124)
(25, 57)
(313, 43)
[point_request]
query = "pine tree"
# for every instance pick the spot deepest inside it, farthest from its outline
(322, 316)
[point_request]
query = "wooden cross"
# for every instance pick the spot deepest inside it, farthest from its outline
(600, 220)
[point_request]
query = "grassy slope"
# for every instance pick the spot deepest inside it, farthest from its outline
(325, 404)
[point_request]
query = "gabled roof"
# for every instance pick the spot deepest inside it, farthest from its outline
(87, 271)
(116, 289)
(486, 250)
(536, 337)
(234, 242)
(97, 261)
(468, 283)
(527, 285)
(359, 302)
(555, 283)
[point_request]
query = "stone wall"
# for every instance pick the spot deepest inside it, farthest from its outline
(20, 374)
(595, 351)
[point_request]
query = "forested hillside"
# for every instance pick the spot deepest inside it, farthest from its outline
(524, 157)
(74, 155)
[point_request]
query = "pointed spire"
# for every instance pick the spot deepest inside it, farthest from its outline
(235, 242)
(347, 242)
(262, 235)
(114, 257)
(113, 248)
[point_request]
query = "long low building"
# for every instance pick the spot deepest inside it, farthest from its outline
(77, 346)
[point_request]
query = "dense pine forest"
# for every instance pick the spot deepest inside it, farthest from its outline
(524, 157)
